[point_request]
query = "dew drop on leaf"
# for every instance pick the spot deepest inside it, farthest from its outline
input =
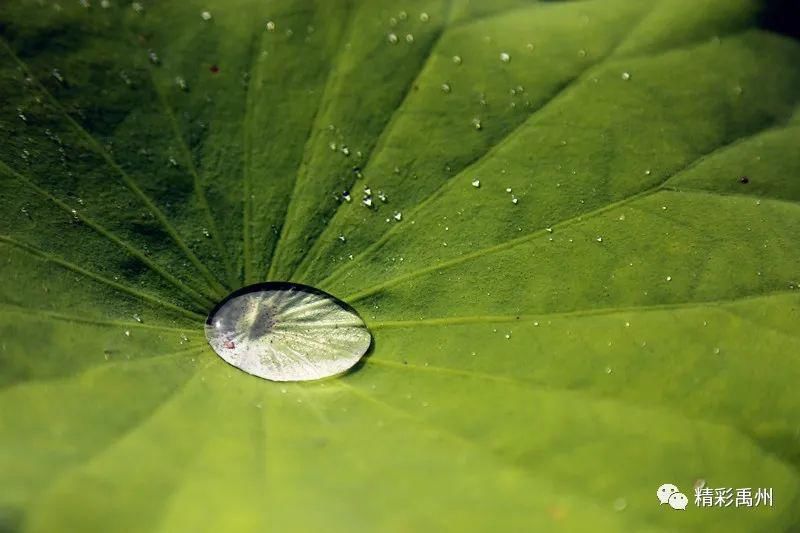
(287, 332)
(620, 504)
(504, 57)
(205, 15)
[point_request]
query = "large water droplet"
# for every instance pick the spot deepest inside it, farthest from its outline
(287, 332)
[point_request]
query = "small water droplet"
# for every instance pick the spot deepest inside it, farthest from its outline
(392, 38)
(599, 239)
(127, 333)
(206, 233)
(205, 15)
(270, 25)
(181, 83)
(153, 57)
(620, 504)
(445, 88)
(287, 332)
(626, 76)
(402, 15)
(476, 183)
(367, 201)
(476, 123)
(457, 59)
(529, 46)
(398, 216)
(504, 57)
(669, 278)
(423, 17)
(124, 77)
(137, 7)
(409, 38)
(57, 75)
(514, 200)
(137, 318)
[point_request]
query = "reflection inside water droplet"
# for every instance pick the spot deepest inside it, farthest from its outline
(287, 332)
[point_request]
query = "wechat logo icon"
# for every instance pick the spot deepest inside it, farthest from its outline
(672, 496)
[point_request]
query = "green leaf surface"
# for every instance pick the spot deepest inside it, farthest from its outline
(543, 359)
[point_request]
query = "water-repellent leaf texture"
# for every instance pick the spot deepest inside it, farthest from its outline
(579, 265)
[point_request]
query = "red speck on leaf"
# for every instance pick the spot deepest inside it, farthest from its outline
(214, 69)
